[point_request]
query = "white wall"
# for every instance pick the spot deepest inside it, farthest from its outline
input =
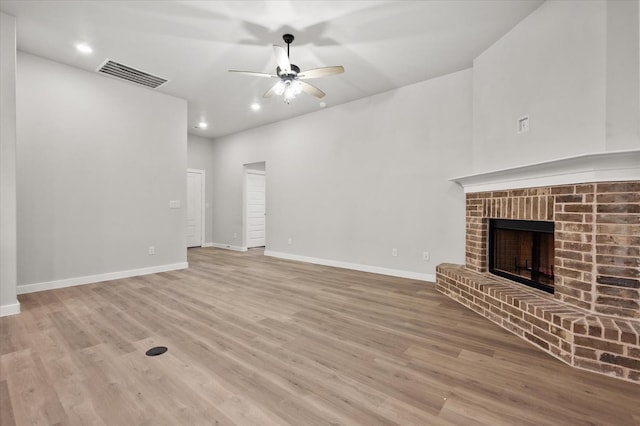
(623, 76)
(98, 162)
(8, 259)
(572, 67)
(551, 66)
(200, 156)
(351, 182)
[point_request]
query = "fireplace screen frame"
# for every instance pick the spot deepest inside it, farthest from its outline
(534, 226)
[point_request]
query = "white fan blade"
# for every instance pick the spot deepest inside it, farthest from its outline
(282, 59)
(269, 93)
(311, 89)
(321, 72)
(255, 74)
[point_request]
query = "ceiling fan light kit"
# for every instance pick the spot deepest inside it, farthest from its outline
(290, 77)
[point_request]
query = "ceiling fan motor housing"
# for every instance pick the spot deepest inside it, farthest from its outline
(288, 76)
(288, 38)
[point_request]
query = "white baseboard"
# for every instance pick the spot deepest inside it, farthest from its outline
(6, 310)
(89, 279)
(226, 246)
(354, 266)
(207, 245)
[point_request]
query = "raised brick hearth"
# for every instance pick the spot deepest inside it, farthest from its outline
(593, 319)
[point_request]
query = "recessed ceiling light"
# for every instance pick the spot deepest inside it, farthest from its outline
(202, 125)
(84, 48)
(255, 106)
(323, 104)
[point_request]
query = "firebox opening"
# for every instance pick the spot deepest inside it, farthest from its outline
(523, 251)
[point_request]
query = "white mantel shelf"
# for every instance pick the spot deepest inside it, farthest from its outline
(601, 167)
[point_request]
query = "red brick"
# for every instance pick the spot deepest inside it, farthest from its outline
(544, 345)
(579, 266)
(633, 262)
(615, 311)
(576, 198)
(618, 198)
(577, 208)
(574, 227)
(580, 327)
(579, 247)
(618, 208)
(624, 219)
(561, 333)
(618, 271)
(585, 189)
(513, 310)
(620, 360)
(570, 217)
(618, 250)
(599, 367)
(624, 293)
(540, 323)
(620, 240)
(610, 329)
(577, 284)
(627, 333)
(512, 327)
(576, 237)
(585, 353)
(590, 342)
(618, 229)
(618, 187)
(567, 273)
(550, 208)
(547, 337)
(563, 189)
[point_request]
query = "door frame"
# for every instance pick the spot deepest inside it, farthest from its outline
(203, 210)
(245, 228)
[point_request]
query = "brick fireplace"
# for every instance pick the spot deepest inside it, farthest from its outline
(592, 321)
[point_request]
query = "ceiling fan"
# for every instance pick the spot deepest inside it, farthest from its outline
(290, 77)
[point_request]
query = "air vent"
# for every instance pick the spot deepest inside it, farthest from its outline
(133, 75)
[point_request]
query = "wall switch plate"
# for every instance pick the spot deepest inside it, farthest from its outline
(523, 124)
(394, 252)
(152, 250)
(174, 204)
(289, 240)
(425, 255)
(235, 235)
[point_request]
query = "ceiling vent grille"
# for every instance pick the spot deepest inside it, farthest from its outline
(133, 75)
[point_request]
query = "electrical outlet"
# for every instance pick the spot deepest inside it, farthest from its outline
(523, 124)
(289, 240)
(394, 252)
(425, 256)
(152, 250)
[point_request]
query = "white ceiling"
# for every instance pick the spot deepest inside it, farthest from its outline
(382, 45)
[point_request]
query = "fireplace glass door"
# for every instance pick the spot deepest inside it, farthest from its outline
(522, 251)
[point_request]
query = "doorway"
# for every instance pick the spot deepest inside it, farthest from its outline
(255, 220)
(195, 208)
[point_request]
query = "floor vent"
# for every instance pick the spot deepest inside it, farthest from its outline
(133, 75)
(155, 351)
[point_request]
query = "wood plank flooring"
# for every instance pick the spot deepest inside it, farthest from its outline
(255, 340)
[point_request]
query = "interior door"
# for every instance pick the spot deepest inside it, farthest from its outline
(256, 209)
(195, 202)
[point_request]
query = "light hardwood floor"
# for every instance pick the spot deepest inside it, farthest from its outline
(261, 341)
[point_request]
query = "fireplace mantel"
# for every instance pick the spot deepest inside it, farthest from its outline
(600, 167)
